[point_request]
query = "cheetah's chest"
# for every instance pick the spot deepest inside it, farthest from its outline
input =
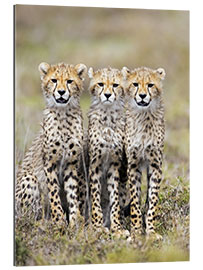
(112, 129)
(107, 134)
(141, 133)
(63, 133)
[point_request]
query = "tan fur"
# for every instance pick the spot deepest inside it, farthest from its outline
(106, 145)
(144, 139)
(51, 174)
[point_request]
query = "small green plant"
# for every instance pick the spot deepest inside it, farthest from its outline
(21, 252)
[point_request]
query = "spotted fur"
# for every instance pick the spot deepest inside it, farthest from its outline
(144, 140)
(51, 174)
(106, 146)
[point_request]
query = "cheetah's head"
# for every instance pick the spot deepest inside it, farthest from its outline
(143, 86)
(106, 86)
(62, 83)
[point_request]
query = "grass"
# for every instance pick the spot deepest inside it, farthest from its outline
(39, 243)
(103, 37)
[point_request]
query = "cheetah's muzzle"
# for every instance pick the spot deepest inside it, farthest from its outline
(62, 100)
(142, 103)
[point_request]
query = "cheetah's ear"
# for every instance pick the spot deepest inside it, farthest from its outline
(161, 72)
(125, 72)
(81, 71)
(43, 69)
(90, 72)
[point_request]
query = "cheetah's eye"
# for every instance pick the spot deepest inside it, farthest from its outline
(100, 84)
(135, 84)
(115, 85)
(150, 85)
(69, 81)
(54, 80)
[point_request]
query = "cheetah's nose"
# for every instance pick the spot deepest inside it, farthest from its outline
(142, 96)
(107, 95)
(61, 92)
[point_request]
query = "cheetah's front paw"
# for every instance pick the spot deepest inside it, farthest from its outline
(120, 233)
(136, 235)
(153, 236)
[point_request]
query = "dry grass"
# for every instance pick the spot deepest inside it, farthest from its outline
(102, 37)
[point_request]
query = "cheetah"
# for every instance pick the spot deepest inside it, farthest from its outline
(144, 141)
(50, 179)
(106, 123)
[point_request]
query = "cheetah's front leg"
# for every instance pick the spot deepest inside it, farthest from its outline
(113, 188)
(82, 193)
(57, 213)
(95, 174)
(154, 179)
(134, 176)
(71, 180)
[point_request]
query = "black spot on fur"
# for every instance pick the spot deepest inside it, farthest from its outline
(133, 166)
(97, 170)
(71, 146)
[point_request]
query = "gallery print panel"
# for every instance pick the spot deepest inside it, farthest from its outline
(101, 135)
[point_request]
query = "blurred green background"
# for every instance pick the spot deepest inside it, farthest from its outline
(101, 37)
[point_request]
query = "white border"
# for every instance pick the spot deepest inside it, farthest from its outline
(173, 5)
(6, 148)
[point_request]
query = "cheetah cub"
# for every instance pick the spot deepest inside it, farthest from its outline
(106, 146)
(51, 174)
(144, 141)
